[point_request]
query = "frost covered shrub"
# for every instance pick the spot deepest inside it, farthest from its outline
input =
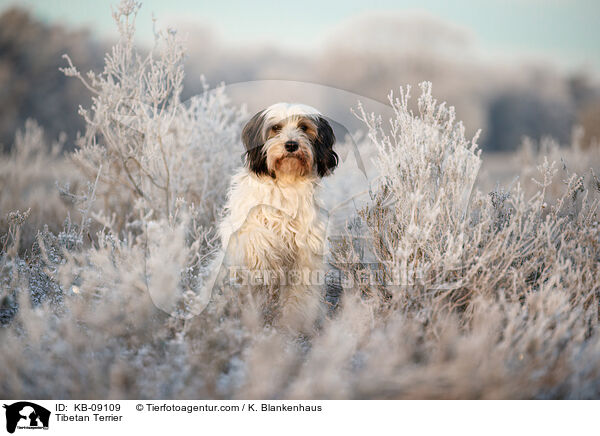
(447, 244)
(427, 170)
(145, 144)
(159, 167)
(28, 176)
(503, 287)
(578, 158)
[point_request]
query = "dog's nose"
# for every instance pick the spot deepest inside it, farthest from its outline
(291, 146)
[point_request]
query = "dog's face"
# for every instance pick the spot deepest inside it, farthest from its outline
(289, 141)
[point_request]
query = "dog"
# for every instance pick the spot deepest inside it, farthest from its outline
(272, 230)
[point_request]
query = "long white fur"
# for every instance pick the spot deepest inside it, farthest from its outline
(281, 111)
(274, 226)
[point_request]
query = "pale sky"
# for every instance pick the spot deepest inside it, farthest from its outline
(565, 32)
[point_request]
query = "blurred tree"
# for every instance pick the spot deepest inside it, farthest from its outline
(518, 113)
(589, 118)
(587, 98)
(582, 89)
(367, 55)
(31, 86)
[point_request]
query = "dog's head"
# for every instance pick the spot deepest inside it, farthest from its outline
(289, 141)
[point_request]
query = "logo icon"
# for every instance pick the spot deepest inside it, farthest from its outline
(26, 415)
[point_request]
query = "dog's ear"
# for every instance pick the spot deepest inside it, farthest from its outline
(253, 139)
(325, 158)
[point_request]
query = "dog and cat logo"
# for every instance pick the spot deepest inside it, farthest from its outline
(26, 415)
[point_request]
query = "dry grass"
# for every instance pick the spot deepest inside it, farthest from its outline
(28, 180)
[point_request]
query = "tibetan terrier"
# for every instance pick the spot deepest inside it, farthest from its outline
(272, 231)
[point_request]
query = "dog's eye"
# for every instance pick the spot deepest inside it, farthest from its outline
(276, 128)
(303, 127)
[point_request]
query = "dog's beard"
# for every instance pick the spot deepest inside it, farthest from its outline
(292, 165)
(284, 164)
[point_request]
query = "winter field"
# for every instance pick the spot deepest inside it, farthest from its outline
(488, 266)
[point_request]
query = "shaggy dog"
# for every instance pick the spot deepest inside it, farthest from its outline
(272, 232)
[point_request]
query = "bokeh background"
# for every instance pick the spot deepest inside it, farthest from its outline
(511, 68)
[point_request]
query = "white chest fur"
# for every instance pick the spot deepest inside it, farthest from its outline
(272, 225)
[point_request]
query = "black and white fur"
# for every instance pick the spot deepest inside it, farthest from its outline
(272, 222)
